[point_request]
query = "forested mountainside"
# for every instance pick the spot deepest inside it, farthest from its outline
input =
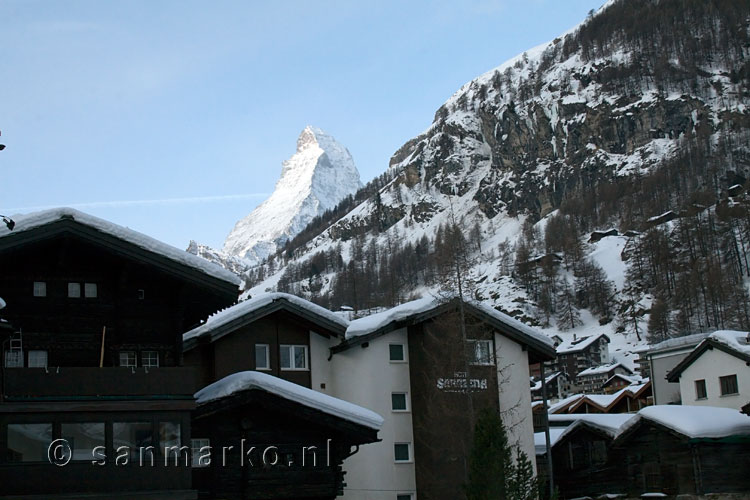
(637, 121)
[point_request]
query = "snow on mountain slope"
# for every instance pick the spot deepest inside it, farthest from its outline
(611, 101)
(319, 175)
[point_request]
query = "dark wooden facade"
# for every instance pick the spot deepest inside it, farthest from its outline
(291, 451)
(132, 300)
(649, 458)
(234, 351)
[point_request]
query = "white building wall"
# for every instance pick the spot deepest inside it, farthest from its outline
(514, 394)
(366, 377)
(711, 365)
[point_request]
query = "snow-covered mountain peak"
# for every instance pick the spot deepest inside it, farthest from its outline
(314, 179)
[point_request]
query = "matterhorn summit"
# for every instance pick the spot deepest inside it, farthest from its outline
(318, 176)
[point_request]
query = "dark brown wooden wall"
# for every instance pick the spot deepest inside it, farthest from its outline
(442, 419)
(71, 328)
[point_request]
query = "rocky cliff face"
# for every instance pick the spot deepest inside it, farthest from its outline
(319, 175)
(641, 109)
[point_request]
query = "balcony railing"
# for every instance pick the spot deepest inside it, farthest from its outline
(54, 382)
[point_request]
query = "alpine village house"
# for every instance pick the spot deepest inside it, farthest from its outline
(129, 371)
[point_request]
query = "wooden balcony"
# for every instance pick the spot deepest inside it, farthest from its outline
(26, 384)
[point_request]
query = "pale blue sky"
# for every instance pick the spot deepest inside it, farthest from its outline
(110, 106)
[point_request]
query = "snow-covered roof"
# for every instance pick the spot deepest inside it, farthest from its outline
(248, 380)
(538, 383)
(694, 421)
(374, 322)
(251, 305)
(34, 220)
(579, 344)
(599, 370)
(733, 339)
(676, 342)
(565, 403)
(630, 379)
(540, 440)
(609, 422)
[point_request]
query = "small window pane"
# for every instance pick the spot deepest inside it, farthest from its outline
(201, 452)
(83, 438)
(150, 358)
(700, 389)
(74, 290)
(401, 452)
(300, 357)
(28, 442)
(89, 290)
(480, 352)
(40, 289)
(14, 359)
(396, 352)
(261, 357)
(286, 357)
(728, 385)
(170, 443)
(127, 358)
(398, 401)
(133, 437)
(37, 359)
(403, 497)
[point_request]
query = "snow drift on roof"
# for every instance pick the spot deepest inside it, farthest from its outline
(540, 441)
(678, 341)
(248, 306)
(374, 322)
(37, 219)
(579, 344)
(243, 381)
(598, 370)
(732, 339)
(695, 421)
(608, 422)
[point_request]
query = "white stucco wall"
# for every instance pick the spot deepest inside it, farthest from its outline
(514, 394)
(711, 365)
(366, 377)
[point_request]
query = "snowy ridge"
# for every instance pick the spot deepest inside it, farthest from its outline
(37, 219)
(318, 176)
(245, 307)
(248, 380)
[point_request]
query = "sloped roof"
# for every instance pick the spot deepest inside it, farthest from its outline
(694, 422)
(579, 344)
(227, 320)
(598, 370)
(420, 310)
(729, 341)
(30, 226)
(250, 380)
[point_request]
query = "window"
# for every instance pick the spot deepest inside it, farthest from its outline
(127, 358)
(261, 357)
(14, 359)
(398, 401)
(82, 438)
(74, 290)
(396, 352)
(403, 496)
(700, 389)
(170, 443)
(480, 352)
(149, 359)
(200, 450)
(294, 357)
(28, 442)
(728, 385)
(141, 294)
(89, 290)
(37, 359)
(40, 289)
(135, 438)
(401, 452)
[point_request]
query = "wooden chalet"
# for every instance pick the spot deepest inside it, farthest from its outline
(667, 450)
(282, 441)
(94, 357)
